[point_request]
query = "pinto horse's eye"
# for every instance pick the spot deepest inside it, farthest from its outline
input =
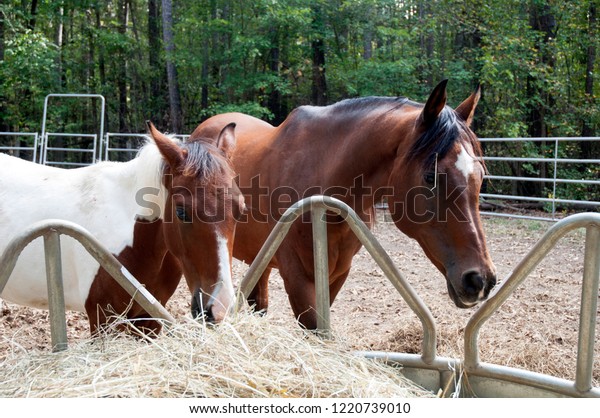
(429, 178)
(182, 214)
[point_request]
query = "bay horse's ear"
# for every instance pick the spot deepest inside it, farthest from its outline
(170, 150)
(435, 104)
(466, 109)
(226, 140)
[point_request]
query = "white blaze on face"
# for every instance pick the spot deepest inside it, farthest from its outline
(465, 163)
(225, 295)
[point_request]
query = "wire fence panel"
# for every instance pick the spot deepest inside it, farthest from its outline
(545, 174)
(20, 144)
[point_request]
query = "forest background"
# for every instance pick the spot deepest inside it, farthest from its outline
(179, 62)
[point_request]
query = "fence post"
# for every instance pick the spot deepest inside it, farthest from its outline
(56, 294)
(321, 260)
(588, 310)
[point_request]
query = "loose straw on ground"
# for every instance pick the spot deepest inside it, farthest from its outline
(246, 356)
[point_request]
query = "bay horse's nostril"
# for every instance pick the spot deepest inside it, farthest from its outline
(473, 283)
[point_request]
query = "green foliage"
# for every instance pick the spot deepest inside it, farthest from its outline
(257, 57)
(28, 72)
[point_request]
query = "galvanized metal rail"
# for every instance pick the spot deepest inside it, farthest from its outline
(33, 149)
(319, 205)
(96, 156)
(587, 320)
(554, 161)
(490, 380)
(442, 373)
(51, 230)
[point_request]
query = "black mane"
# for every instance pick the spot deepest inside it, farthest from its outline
(434, 143)
(437, 140)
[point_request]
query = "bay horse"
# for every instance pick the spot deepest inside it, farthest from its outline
(424, 160)
(170, 211)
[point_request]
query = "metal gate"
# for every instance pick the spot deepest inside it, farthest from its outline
(18, 150)
(49, 139)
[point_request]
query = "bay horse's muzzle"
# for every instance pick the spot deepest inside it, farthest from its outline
(474, 288)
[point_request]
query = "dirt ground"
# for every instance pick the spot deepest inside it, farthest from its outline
(535, 329)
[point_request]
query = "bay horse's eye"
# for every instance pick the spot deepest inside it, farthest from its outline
(429, 178)
(182, 214)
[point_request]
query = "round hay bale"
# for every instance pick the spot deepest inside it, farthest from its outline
(245, 356)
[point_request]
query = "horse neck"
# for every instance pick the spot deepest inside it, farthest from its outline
(370, 150)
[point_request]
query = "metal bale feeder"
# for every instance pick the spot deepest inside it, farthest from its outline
(427, 369)
(51, 230)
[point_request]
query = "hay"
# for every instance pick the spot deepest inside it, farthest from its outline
(246, 356)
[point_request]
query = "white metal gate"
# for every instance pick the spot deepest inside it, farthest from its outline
(49, 139)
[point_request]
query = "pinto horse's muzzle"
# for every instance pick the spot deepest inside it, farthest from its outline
(202, 309)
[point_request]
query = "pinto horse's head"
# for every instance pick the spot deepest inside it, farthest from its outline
(436, 195)
(201, 208)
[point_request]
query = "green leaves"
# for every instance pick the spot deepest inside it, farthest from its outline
(258, 57)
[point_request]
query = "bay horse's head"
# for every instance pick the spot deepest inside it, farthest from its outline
(436, 195)
(202, 204)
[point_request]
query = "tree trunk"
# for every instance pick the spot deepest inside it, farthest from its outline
(275, 101)
(157, 71)
(32, 15)
(101, 61)
(319, 82)
(122, 68)
(587, 129)
(427, 44)
(542, 20)
(174, 98)
(3, 123)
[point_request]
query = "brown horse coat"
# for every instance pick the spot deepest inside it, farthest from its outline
(423, 159)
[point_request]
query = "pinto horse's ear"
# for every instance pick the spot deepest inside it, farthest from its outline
(435, 104)
(466, 109)
(171, 152)
(226, 140)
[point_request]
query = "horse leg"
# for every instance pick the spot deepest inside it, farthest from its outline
(336, 285)
(301, 290)
(259, 296)
(302, 296)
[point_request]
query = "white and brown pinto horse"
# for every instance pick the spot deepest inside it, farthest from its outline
(170, 211)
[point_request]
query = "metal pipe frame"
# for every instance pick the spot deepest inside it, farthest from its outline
(428, 369)
(555, 160)
(582, 385)
(108, 148)
(47, 148)
(321, 204)
(33, 148)
(51, 229)
(97, 155)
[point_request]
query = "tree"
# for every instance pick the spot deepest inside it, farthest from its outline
(587, 129)
(174, 98)
(317, 46)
